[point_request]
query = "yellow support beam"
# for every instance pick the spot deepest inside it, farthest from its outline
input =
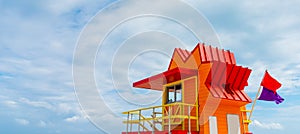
(245, 110)
(246, 121)
(141, 109)
(180, 117)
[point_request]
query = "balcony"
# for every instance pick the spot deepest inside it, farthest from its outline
(173, 117)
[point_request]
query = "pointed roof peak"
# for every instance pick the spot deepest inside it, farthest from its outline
(201, 54)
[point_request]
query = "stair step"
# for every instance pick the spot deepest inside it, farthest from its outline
(245, 110)
(246, 121)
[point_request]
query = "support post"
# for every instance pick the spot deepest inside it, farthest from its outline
(189, 110)
(139, 127)
(127, 125)
(169, 119)
(131, 122)
(153, 120)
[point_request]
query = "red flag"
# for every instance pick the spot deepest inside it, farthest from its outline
(270, 83)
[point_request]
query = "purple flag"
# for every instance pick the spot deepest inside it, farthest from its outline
(269, 95)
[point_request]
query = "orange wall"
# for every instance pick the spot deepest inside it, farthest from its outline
(211, 106)
(208, 105)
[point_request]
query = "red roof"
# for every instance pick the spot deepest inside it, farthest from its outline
(228, 81)
(157, 81)
(207, 54)
(183, 53)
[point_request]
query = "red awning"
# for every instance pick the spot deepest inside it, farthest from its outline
(228, 81)
(156, 82)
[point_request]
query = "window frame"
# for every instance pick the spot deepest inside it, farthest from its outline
(176, 87)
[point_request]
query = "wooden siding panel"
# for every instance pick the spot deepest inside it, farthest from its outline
(221, 55)
(208, 53)
(215, 56)
(202, 53)
(190, 93)
(232, 58)
(225, 107)
(196, 57)
(174, 61)
(227, 57)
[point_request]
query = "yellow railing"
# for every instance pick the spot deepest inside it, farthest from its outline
(166, 116)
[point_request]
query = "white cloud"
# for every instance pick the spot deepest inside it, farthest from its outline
(72, 119)
(276, 126)
(58, 106)
(42, 124)
(39, 104)
(22, 121)
(66, 108)
(59, 7)
(113, 104)
(37, 55)
(288, 114)
(268, 18)
(76, 118)
(263, 35)
(10, 103)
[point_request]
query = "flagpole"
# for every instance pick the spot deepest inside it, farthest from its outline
(254, 103)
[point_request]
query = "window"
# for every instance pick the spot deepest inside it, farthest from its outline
(174, 93)
(213, 126)
(233, 123)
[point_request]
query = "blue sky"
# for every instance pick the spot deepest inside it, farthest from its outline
(38, 39)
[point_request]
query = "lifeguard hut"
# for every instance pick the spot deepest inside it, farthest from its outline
(202, 93)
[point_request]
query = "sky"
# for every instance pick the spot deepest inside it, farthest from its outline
(44, 62)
